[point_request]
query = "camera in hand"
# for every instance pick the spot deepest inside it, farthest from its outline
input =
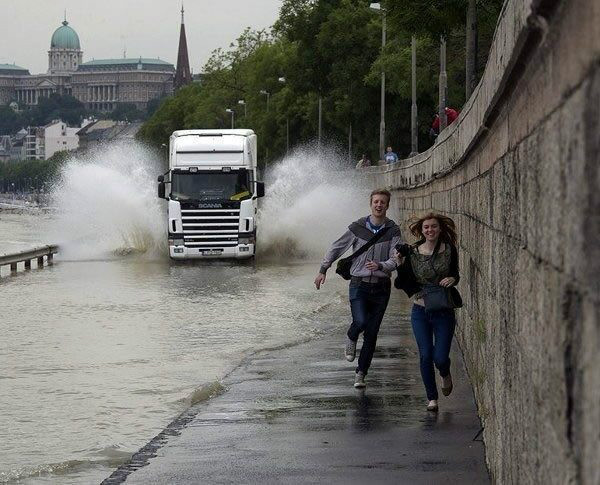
(404, 249)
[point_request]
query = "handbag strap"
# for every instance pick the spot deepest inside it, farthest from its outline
(432, 257)
(378, 235)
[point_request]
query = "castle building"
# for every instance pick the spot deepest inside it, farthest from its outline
(100, 84)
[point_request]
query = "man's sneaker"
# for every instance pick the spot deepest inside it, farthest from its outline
(432, 406)
(359, 380)
(350, 350)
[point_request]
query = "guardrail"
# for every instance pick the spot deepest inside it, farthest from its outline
(28, 256)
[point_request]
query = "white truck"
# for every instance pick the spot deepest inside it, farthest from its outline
(213, 192)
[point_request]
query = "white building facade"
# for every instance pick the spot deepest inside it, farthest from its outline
(56, 137)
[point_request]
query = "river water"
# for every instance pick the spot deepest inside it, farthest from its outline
(100, 351)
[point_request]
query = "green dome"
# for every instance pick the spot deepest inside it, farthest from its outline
(65, 38)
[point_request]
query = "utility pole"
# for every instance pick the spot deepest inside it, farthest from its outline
(350, 144)
(443, 85)
(287, 135)
(243, 103)
(282, 80)
(471, 49)
(232, 113)
(377, 6)
(414, 129)
(320, 121)
(268, 95)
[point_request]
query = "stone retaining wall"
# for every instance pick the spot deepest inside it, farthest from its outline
(518, 172)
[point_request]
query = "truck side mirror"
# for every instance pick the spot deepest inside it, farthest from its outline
(161, 178)
(161, 189)
(260, 189)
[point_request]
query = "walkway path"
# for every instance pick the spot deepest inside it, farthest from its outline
(292, 416)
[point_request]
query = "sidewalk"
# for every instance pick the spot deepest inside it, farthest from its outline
(292, 416)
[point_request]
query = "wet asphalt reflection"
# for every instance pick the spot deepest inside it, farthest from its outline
(293, 416)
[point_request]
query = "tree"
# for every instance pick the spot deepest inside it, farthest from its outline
(126, 112)
(330, 50)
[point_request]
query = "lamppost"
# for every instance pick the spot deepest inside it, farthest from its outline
(377, 6)
(268, 95)
(232, 112)
(443, 95)
(414, 134)
(243, 103)
(287, 124)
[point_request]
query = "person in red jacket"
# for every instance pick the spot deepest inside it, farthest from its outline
(451, 115)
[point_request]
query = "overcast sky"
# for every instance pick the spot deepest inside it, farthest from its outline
(147, 28)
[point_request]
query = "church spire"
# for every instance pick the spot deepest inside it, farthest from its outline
(182, 74)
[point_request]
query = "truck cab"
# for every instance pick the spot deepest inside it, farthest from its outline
(212, 193)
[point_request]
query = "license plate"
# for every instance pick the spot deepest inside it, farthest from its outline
(212, 252)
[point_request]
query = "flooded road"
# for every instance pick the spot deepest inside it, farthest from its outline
(97, 356)
(100, 351)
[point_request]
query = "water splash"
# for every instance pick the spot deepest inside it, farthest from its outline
(107, 205)
(312, 196)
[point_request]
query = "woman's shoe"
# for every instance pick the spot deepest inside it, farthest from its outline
(432, 406)
(447, 385)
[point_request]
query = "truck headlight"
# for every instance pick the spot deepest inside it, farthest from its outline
(178, 242)
(246, 240)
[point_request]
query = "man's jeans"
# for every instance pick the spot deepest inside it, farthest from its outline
(427, 326)
(368, 302)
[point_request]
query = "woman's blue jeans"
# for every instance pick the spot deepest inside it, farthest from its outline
(368, 303)
(433, 333)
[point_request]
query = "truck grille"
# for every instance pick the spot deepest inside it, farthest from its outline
(210, 228)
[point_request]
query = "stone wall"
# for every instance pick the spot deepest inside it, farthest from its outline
(519, 173)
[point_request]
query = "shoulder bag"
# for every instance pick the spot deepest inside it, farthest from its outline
(438, 297)
(343, 265)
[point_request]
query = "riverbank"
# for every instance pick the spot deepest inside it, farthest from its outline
(292, 415)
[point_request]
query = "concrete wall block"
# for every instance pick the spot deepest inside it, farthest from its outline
(572, 153)
(510, 203)
(589, 360)
(552, 191)
(575, 52)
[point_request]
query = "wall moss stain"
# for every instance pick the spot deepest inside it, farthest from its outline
(480, 331)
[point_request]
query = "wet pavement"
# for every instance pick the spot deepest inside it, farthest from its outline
(292, 416)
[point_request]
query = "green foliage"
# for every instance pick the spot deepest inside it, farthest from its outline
(31, 175)
(330, 49)
(56, 107)
(126, 112)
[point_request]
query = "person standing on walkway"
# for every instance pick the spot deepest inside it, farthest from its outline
(429, 274)
(370, 277)
(390, 156)
(363, 162)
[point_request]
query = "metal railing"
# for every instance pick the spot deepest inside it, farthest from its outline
(28, 256)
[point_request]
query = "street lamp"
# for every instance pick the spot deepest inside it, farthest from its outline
(268, 95)
(287, 124)
(243, 103)
(377, 6)
(232, 112)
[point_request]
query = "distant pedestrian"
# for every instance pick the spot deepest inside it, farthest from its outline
(429, 274)
(451, 115)
(372, 239)
(363, 162)
(390, 156)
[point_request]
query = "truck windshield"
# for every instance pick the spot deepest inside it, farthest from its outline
(211, 186)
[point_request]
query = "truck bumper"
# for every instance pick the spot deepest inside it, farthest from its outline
(243, 251)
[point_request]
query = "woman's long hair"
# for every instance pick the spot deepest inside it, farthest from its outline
(447, 228)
